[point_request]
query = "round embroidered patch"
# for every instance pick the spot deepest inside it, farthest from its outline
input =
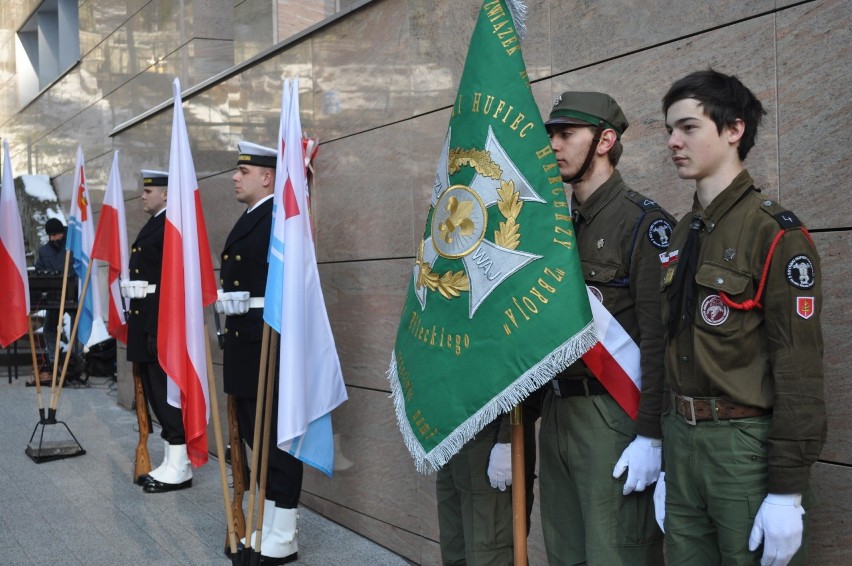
(800, 272)
(659, 232)
(714, 311)
(596, 292)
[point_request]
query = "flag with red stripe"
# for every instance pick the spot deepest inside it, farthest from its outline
(310, 383)
(14, 284)
(187, 285)
(111, 246)
(615, 359)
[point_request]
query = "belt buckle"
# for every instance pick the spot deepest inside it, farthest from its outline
(690, 421)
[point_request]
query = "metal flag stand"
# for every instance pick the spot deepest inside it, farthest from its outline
(46, 451)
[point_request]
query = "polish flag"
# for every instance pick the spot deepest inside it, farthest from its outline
(615, 359)
(111, 246)
(187, 285)
(14, 284)
(310, 381)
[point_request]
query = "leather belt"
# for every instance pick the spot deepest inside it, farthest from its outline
(694, 409)
(583, 387)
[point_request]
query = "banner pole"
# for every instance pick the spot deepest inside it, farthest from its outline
(519, 484)
(258, 412)
(60, 325)
(220, 446)
(80, 302)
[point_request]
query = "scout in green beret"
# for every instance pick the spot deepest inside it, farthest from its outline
(592, 513)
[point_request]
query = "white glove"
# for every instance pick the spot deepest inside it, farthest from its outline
(642, 459)
(660, 501)
(779, 525)
(500, 466)
(232, 303)
(134, 289)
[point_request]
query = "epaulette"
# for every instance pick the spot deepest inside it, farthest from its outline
(785, 218)
(642, 201)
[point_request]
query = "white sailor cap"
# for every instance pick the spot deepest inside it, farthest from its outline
(253, 154)
(155, 178)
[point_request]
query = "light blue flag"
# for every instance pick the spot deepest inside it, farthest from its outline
(310, 381)
(81, 236)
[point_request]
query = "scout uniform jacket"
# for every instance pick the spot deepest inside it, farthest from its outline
(145, 264)
(620, 234)
(244, 268)
(769, 356)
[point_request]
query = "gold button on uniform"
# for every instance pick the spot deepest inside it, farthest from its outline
(236, 283)
(238, 258)
(237, 333)
(225, 257)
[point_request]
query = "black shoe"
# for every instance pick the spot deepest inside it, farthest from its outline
(268, 561)
(155, 486)
(143, 479)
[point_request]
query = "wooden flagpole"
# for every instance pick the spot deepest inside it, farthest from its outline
(271, 369)
(238, 468)
(519, 485)
(59, 326)
(220, 447)
(36, 375)
(57, 392)
(258, 411)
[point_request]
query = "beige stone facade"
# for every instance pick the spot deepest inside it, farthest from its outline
(377, 81)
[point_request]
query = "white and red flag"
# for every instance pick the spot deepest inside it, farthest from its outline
(111, 246)
(187, 285)
(310, 381)
(14, 284)
(615, 359)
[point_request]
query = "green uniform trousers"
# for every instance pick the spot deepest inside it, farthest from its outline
(585, 517)
(475, 520)
(716, 478)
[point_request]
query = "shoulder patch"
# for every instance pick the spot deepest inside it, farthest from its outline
(659, 233)
(800, 272)
(643, 202)
(785, 218)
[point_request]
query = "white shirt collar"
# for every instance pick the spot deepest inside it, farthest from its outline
(260, 202)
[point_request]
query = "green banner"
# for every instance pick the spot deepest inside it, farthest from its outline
(497, 303)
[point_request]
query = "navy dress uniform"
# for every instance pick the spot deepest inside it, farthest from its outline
(244, 268)
(146, 257)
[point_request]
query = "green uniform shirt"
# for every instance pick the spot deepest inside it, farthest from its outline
(769, 357)
(620, 235)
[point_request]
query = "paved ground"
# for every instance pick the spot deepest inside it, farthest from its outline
(86, 510)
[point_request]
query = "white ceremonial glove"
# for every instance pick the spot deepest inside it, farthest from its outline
(660, 501)
(642, 459)
(134, 289)
(500, 466)
(233, 303)
(779, 525)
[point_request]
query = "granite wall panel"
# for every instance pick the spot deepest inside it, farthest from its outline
(364, 300)
(585, 32)
(362, 71)
(835, 249)
(831, 536)
(814, 90)
(363, 203)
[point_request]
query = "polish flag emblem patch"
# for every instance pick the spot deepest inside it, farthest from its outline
(805, 307)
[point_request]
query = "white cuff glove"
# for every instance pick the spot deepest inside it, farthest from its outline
(232, 303)
(642, 459)
(500, 466)
(134, 289)
(660, 501)
(779, 525)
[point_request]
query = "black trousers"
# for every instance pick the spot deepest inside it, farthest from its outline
(284, 475)
(154, 382)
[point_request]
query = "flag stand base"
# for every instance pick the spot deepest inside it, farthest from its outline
(46, 450)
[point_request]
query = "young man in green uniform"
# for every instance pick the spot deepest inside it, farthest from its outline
(592, 511)
(744, 346)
